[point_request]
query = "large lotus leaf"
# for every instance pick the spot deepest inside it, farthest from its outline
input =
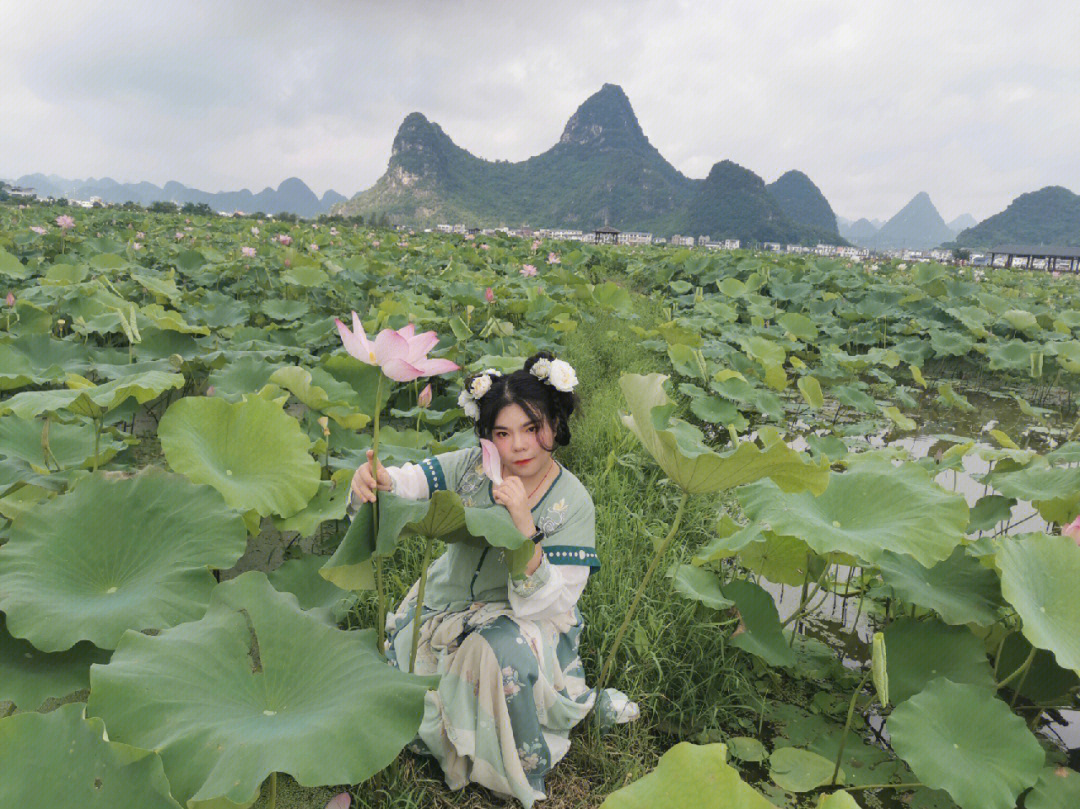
(872, 508)
(1057, 788)
(780, 559)
(681, 453)
(168, 320)
(960, 589)
(257, 686)
(253, 452)
(60, 759)
(963, 739)
(313, 592)
(328, 504)
(921, 651)
(362, 378)
(244, 375)
(281, 309)
(1052, 489)
(115, 555)
(989, 511)
(86, 399)
(29, 676)
(1038, 577)
(689, 776)
(444, 517)
(350, 566)
(35, 359)
(800, 770)
(1046, 683)
(837, 800)
(760, 633)
(69, 445)
(699, 584)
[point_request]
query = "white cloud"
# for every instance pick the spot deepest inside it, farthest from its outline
(971, 102)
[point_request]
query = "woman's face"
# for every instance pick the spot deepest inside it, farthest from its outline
(521, 442)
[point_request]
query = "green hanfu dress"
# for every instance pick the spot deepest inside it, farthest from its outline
(512, 687)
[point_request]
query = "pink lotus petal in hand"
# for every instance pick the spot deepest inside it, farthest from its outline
(343, 800)
(491, 462)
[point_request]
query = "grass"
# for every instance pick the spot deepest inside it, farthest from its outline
(674, 664)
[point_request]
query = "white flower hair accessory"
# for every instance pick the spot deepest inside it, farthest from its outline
(475, 391)
(558, 373)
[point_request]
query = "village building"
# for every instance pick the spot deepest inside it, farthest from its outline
(1059, 258)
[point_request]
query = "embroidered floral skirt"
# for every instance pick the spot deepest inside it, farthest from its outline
(511, 690)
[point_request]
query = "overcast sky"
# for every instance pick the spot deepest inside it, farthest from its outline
(973, 102)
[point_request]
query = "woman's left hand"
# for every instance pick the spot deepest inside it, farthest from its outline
(511, 495)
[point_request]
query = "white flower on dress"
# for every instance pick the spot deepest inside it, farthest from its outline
(541, 368)
(562, 376)
(480, 386)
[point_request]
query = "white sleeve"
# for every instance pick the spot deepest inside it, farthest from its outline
(407, 481)
(551, 590)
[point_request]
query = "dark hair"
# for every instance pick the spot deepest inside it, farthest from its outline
(539, 400)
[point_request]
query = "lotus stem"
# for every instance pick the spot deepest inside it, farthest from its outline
(911, 785)
(272, 803)
(641, 591)
(847, 725)
(997, 657)
(419, 604)
(97, 441)
(1020, 671)
(379, 589)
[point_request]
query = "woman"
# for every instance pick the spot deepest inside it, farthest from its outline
(512, 683)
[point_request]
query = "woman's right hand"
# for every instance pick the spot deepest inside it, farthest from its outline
(364, 483)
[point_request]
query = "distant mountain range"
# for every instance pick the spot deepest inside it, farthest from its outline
(602, 171)
(292, 195)
(1049, 216)
(916, 226)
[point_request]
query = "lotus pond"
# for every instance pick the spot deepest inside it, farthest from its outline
(831, 506)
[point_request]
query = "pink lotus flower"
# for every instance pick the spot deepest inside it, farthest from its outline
(65, 222)
(536, 245)
(402, 244)
(469, 237)
(39, 230)
(179, 235)
(376, 243)
(314, 227)
(188, 229)
(343, 800)
(140, 235)
(210, 391)
(424, 399)
(287, 263)
(254, 231)
(401, 354)
(528, 270)
(1056, 273)
(1072, 530)
(10, 301)
(333, 231)
(553, 258)
(314, 248)
(136, 246)
(491, 461)
(248, 252)
(485, 247)
(489, 295)
(285, 239)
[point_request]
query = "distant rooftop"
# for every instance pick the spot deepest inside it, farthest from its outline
(1037, 250)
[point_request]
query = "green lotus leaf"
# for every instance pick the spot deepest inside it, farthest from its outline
(1057, 788)
(689, 776)
(761, 633)
(910, 515)
(799, 326)
(38, 359)
(1021, 320)
(811, 391)
(729, 539)
(69, 445)
(11, 267)
(314, 592)
(681, 453)
(86, 399)
(253, 452)
(879, 671)
(29, 676)
(298, 382)
(960, 589)
(1038, 577)
(715, 410)
(989, 511)
(699, 584)
(800, 770)
(169, 320)
(282, 309)
(350, 566)
(254, 687)
(327, 504)
(1046, 683)
(362, 379)
(113, 555)
(305, 276)
(837, 800)
(853, 397)
(962, 739)
(60, 759)
(444, 517)
(1011, 355)
(780, 559)
(950, 398)
(747, 748)
(921, 651)
(1036, 482)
